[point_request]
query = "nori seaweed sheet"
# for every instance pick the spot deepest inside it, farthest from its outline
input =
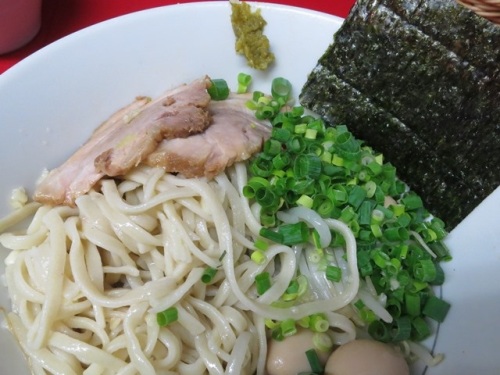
(412, 62)
(400, 81)
(474, 39)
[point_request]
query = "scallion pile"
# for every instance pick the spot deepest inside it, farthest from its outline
(305, 163)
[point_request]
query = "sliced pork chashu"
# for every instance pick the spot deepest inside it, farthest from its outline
(126, 139)
(234, 135)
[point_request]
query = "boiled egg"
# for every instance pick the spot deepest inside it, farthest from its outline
(288, 357)
(366, 357)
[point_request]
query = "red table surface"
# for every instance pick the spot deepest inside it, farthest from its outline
(63, 17)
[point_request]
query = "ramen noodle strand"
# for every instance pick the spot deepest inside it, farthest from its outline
(189, 322)
(173, 244)
(262, 340)
(23, 242)
(238, 355)
(18, 277)
(241, 180)
(17, 216)
(178, 227)
(237, 211)
(173, 348)
(236, 318)
(152, 333)
(114, 199)
(38, 333)
(345, 330)
(133, 318)
(212, 363)
(218, 320)
(77, 323)
(86, 353)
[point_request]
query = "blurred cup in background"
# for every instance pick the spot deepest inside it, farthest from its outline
(20, 21)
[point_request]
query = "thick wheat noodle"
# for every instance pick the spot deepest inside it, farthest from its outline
(86, 282)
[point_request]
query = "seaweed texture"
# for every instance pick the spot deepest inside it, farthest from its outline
(412, 86)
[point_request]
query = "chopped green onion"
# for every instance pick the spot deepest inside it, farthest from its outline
(244, 81)
(333, 273)
(262, 282)
(436, 308)
(311, 134)
(347, 214)
(393, 306)
(367, 315)
(374, 167)
(307, 166)
(420, 329)
(365, 213)
(379, 331)
(255, 183)
(270, 323)
(401, 329)
(292, 292)
(376, 230)
(294, 234)
(417, 286)
(293, 287)
(300, 129)
(397, 209)
(271, 235)
(316, 239)
(167, 316)
(404, 220)
(318, 323)
(266, 197)
(303, 285)
(412, 304)
(272, 147)
(261, 245)
(396, 234)
(288, 327)
(281, 135)
(258, 257)
(412, 202)
(257, 95)
(425, 270)
(356, 196)
(322, 341)
(208, 275)
(380, 258)
(314, 362)
(305, 201)
(277, 334)
(281, 88)
(218, 89)
(281, 161)
(439, 276)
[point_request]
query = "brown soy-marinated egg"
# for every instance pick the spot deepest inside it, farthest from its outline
(366, 357)
(289, 356)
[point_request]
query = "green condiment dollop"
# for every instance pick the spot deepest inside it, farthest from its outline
(251, 42)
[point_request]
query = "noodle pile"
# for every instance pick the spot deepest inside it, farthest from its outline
(86, 282)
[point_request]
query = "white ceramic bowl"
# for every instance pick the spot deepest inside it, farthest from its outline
(51, 102)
